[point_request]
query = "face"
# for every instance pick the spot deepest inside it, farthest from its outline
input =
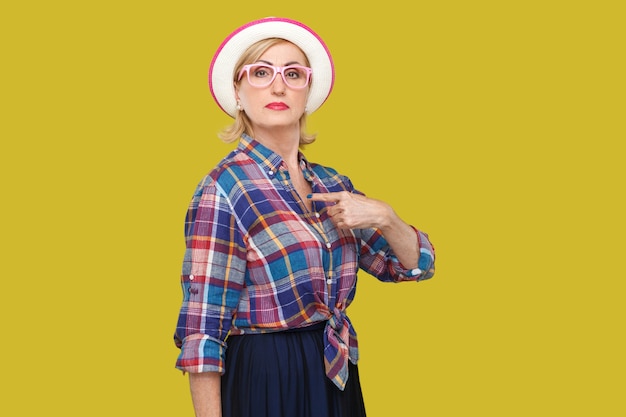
(276, 105)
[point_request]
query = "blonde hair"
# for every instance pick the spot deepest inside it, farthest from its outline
(242, 123)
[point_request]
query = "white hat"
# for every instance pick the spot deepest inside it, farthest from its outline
(223, 63)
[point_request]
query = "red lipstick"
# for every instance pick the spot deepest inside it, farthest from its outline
(277, 106)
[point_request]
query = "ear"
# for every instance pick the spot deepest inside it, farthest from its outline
(236, 91)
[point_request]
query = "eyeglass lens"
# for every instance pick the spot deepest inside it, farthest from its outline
(261, 76)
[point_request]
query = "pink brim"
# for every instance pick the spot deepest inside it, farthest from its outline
(224, 61)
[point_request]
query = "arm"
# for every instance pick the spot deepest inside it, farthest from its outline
(355, 211)
(206, 394)
(212, 278)
(400, 236)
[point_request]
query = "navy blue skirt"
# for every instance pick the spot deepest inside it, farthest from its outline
(282, 374)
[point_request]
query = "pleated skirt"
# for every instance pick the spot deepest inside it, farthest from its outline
(282, 375)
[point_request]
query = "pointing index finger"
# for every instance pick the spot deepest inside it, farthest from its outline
(329, 197)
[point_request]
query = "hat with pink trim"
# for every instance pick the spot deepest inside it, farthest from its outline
(221, 71)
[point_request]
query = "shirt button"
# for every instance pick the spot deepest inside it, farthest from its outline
(191, 277)
(270, 172)
(317, 215)
(329, 281)
(328, 245)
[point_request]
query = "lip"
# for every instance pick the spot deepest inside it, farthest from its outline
(278, 105)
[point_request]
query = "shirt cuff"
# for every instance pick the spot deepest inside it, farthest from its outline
(201, 353)
(404, 274)
(425, 263)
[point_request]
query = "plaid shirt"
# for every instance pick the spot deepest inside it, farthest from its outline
(258, 261)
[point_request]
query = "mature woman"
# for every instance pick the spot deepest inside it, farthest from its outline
(274, 243)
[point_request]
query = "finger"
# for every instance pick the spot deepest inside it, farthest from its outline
(335, 209)
(342, 225)
(329, 197)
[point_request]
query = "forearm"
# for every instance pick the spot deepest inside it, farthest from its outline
(354, 211)
(206, 394)
(401, 238)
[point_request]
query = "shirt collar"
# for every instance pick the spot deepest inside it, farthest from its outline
(265, 157)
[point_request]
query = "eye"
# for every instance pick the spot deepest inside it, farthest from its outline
(294, 73)
(261, 72)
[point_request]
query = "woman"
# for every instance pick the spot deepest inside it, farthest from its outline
(274, 243)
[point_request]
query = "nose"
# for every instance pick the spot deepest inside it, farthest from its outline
(278, 85)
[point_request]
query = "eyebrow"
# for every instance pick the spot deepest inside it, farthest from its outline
(286, 65)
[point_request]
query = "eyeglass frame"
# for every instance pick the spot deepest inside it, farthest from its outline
(277, 70)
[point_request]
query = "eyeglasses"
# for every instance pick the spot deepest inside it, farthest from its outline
(262, 75)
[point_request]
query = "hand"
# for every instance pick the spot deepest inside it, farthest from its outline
(355, 211)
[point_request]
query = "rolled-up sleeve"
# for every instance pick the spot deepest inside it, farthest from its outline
(377, 258)
(212, 278)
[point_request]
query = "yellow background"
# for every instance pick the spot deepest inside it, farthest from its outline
(495, 126)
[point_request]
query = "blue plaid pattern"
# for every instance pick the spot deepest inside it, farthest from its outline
(258, 261)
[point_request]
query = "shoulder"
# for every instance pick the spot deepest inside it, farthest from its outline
(323, 171)
(332, 179)
(230, 171)
(235, 167)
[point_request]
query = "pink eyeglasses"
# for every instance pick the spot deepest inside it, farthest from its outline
(262, 75)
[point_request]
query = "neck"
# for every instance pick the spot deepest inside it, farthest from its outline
(284, 143)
